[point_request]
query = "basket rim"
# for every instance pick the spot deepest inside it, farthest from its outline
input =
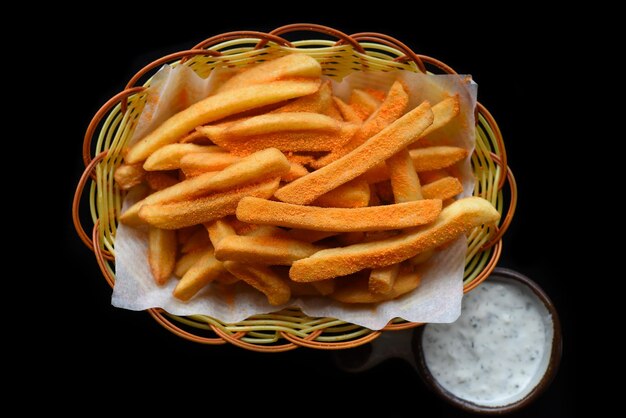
(103, 256)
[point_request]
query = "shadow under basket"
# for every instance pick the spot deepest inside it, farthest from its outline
(113, 124)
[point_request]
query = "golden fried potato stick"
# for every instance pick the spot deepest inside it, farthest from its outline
(129, 175)
(253, 168)
(376, 149)
(382, 279)
(185, 262)
(203, 272)
(304, 140)
(421, 258)
(424, 159)
(158, 180)
(263, 279)
(296, 170)
(444, 112)
(443, 189)
(404, 181)
(168, 157)
(354, 194)
(280, 122)
(216, 107)
(357, 291)
(218, 230)
(161, 254)
(363, 103)
(390, 110)
(333, 112)
(195, 164)
(433, 158)
(272, 250)
(433, 175)
(198, 240)
(204, 209)
(317, 102)
(374, 218)
(293, 65)
(347, 112)
(458, 218)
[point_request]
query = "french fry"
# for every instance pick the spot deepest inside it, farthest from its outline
(376, 149)
(363, 103)
(382, 279)
(184, 263)
(305, 140)
(296, 170)
(357, 291)
(444, 112)
(375, 218)
(195, 164)
(333, 112)
(458, 218)
(293, 65)
(280, 122)
(158, 180)
(266, 231)
(205, 209)
(254, 168)
(263, 279)
(443, 189)
(433, 158)
(199, 239)
(389, 111)
(204, 271)
(404, 181)
(129, 175)
(347, 112)
(354, 194)
(433, 175)
(218, 230)
(270, 250)
(421, 257)
(216, 107)
(317, 102)
(168, 157)
(161, 254)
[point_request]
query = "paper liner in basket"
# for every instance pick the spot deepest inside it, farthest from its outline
(437, 299)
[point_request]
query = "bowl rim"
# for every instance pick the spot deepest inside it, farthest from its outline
(540, 387)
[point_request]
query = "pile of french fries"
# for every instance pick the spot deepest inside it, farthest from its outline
(274, 182)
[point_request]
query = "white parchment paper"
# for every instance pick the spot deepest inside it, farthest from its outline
(437, 299)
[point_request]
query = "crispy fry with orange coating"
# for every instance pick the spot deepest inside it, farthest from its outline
(389, 111)
(404, 181)
(195, 164)
(218, 230)
(363, 103)
(307, 235)
(433, 158)
(347, 112)
(317, 102)
(216, 107)
(296, 170)
(264, 279)
(161, 254)
(357, 291)
(302, 140)
(272, 250)
(353, 194)
(458, 218)
(376, 149)
(129, 175)
(168, 157)
(293, 65)
(204, 271)
(443, 189)
(444, 112)
(375, 218)
(204, 209)
(280, 122)
(382, 279)
(158, 180)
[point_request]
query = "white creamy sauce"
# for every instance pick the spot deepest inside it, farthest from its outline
(499, 348)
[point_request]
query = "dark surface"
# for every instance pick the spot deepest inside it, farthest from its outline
(129, 344)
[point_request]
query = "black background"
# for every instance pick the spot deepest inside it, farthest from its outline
(512, 63)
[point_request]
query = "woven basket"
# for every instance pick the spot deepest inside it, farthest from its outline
(113, 124)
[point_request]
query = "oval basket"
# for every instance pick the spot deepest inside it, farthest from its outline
(113, 124)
